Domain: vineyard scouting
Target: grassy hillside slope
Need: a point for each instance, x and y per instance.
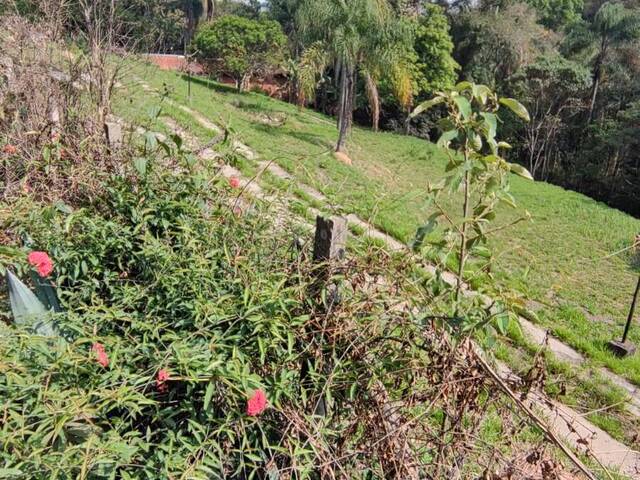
(560, 258)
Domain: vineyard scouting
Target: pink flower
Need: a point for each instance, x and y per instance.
(10, 149)
(42, 263)
(257, 403)
(55, 136)
(161, 379)
(234, 182)
(101, 355)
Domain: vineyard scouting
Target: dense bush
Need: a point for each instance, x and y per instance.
(179, 314)
(240, 47)
(159, 274)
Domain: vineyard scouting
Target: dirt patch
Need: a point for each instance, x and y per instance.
(343, 157)
(276, 119)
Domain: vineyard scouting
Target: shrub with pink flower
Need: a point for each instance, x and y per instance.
(257, 403)
(234, 182)
(42, 263)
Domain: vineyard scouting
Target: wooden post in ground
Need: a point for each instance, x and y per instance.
(328, 249)
(330, 239)
(113, 132)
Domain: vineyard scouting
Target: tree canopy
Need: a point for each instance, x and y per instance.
(240, 47)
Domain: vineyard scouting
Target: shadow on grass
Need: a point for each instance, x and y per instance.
(282, 133)
(210, 84)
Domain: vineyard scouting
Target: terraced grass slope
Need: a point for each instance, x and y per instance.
(561, 259)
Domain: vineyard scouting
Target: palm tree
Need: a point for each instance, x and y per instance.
(613, 26)
(357, 34)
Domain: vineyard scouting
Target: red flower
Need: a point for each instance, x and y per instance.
(42, 262)
(101, 355)
(257, 403)
(234, 182)
(10, 149)
(161, 379)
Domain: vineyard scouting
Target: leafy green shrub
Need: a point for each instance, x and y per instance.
(240, 47)
(177, 312)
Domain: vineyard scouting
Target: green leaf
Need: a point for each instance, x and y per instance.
(520, 170)
(208, 395)
(446, 137)
(426, 106)
(150, 140)
(425, 230)
(445, 124)
(454, 181)
(63, 207)
(177, 139)
(464, 106)
(502, 322)
(27, 309)
(140, 164)
(10, 472)
(492, 159)
(516, 107)
(482, 92)
(476, 141)
(465, 85)
(490, 124)
(154, 112)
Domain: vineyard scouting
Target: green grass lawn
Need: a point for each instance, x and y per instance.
(558, 259)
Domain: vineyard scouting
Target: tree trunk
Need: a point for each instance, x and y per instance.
(345, 109)
(597, 76)
(594, 95)
(374, 101)
(191, 26)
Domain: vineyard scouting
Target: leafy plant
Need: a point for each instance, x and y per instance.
(240, 47)
(27, 309)
(180, 315)
(476, 167)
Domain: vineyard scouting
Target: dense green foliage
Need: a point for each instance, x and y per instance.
(162, 26)
(394, 51)
(177, 309)
(436, 69)
(364, 36)
(476, 166)
(561, 257)
(240, 47)
(557, 13)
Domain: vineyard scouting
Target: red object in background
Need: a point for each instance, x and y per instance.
(101, 355)
(10, 149)
(42, 263)
(176, 63)
(161, 380)
(234, 182)
(257, 403)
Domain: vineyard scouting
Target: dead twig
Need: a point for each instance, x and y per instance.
(540, 423)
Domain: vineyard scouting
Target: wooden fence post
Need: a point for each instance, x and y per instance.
(113, 132)
(330, 239)
(328, 249)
